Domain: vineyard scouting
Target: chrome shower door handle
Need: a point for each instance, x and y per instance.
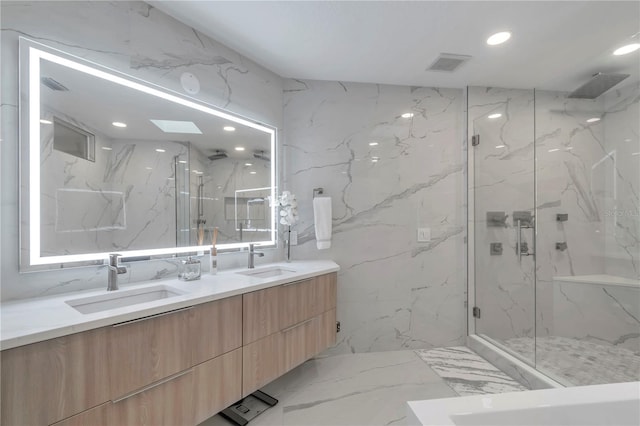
(518, 240)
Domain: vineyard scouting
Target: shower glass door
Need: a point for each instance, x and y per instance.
(503, 179)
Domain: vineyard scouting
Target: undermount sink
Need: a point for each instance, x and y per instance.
(121, 298)
(267, 272)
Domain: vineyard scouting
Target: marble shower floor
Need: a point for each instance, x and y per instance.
(355, 389)
(579, 362)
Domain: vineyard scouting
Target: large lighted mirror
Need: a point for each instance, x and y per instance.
(114, 164)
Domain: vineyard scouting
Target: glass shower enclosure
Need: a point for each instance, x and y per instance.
(554, 226)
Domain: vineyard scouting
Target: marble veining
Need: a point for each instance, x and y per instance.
(467, 373)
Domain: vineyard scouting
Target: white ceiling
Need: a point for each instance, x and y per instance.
(555, 45)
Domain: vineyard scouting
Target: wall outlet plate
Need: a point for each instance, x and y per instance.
(424, 235)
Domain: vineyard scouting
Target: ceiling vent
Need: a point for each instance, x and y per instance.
(448, 62)
(53, 84)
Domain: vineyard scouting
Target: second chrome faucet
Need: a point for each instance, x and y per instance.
(115, 269)
(252, 254)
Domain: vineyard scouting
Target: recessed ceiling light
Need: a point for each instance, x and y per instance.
(496, 115)
(107, 148)
(149, 168)
(160, 150)
(593, 120)
(499, 146)
(43, 121)
(499, 38)
(554, 150)
(248, 164)
(373, 143)
(119, 124)
(239, 148)
(253, 173)
(182, 161)
(229, 128)
(173, 126)
(626, 49)
(407, 115)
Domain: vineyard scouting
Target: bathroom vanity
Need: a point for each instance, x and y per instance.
(175, 360)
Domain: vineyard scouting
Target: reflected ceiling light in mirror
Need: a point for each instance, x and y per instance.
(593, 120)
(248, 164)
(149, 168)
(160, 150)
(554, 149)
(229, 129)
(182, 161)
(635, 153)
(119, 124)
(239, 148)
(625, 50)
(44, 121)
(107, 148)
(407, 115)
(373, 143)
(375, 159)
(500, 146)
(174, 126)
(35, 55)
(498, 38)
(252, 173)
(493, 116)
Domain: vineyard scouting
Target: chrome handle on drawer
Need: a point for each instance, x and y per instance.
(153, 385)
(296, 282)
(297, 325)
(152, 317)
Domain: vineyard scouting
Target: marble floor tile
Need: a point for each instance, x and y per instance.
(467, 372)
(353, 389)
(576, 362)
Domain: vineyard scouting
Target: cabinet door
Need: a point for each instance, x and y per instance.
(217, 384)
(260, 314)
(48, 381)
(147, 350)
(97, 416)
(215, 328)
(262, 361)
(300, 342)
(327, 291)
(168, 402)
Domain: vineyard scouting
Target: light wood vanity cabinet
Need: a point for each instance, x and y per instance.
(306, 326)
(178, 367)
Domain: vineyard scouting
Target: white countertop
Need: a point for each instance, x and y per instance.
(34, 320)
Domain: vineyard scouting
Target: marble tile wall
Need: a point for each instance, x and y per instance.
(622, 215)
(393, 292)
(137, 39)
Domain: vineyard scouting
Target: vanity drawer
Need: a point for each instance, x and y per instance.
(306, 299)
(168, 402)
(215, 328)
(260, 314)
(262, 362)
(147, 350)
(300, 342)
(217, 384)
(49, 381)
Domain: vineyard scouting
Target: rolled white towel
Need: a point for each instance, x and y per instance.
(322, 215)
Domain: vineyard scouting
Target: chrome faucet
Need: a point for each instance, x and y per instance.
(253, 253)
(115, 269)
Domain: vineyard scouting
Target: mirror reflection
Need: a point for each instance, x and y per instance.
(130, 167)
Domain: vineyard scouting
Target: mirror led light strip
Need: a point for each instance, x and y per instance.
(35, 55)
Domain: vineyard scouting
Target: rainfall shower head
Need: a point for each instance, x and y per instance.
(261, 155)
(218, 155)
(598, 84)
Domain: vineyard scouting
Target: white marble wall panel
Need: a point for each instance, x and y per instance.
(604, 314)
(622, 217)
(137, 39)
(393, 291)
